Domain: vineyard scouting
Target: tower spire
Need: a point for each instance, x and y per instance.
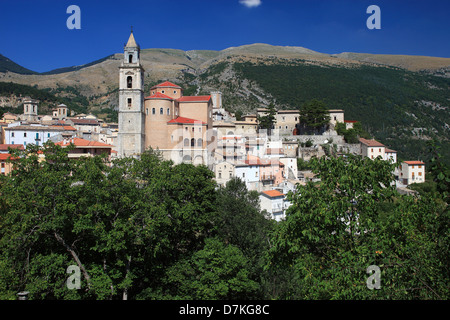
(131, 41)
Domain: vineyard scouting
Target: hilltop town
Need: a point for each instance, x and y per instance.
(198, 130)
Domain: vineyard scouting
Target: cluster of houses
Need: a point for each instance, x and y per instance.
(197, 130)
(89, 135)
(235, 148)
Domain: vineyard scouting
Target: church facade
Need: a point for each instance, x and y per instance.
(180, 127)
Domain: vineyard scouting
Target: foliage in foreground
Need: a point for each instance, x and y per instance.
(148, 229)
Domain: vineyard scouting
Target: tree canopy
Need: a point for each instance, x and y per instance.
(149, 229)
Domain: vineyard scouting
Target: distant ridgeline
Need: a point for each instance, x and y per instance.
(9, 65)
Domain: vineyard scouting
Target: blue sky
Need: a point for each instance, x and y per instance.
(33, 33)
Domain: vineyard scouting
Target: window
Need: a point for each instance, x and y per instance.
(199, 142)
(3, 164)
(162, 91)
(24, 134)
(129, 102)
(130, 58)
(146, 111)
(243, 174)
(168, 111)
(220, 175)
(174, 91)
(192, 142)
(129, 82)
(420, 167)
(379, 150)
(153, 111)
(186, 142)
(420, 174)
(12, 134)
(161, 111)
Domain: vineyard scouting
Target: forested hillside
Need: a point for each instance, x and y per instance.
(402, 109)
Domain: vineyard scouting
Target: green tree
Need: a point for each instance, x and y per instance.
(266, 121)
(314, 116)
(122, 225)
(217, 271)
(353, 219)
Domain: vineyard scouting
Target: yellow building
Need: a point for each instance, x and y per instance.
(178, 126)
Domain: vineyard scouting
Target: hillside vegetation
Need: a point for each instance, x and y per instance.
(401, 108)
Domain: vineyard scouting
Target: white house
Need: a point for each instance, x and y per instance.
(274, 202)
(390, 155)
(372, 148)
(411, 172)
(17, 133)
(249, 173)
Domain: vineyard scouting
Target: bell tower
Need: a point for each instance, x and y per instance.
(131, 136)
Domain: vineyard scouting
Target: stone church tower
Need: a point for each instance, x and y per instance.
(131, 136)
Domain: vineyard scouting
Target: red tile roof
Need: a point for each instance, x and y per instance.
(273, 193)
(350, 121)
(158, 95)
(78, 142)
(4, 147)
(390, 151)
(183, 120)
(194, 99)
(414, 162)
(371, 143)
(4, 156)
(166, 84)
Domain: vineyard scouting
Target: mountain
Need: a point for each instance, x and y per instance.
(7, 65)
(403, 101)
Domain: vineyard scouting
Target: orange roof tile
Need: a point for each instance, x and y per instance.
(183, 120)
(166, 84)
(159, 95)
(414, 162)
(78, 142)
(194, 99)
(4, 147)
(273, 193)
(371, 143)
(5, 156)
